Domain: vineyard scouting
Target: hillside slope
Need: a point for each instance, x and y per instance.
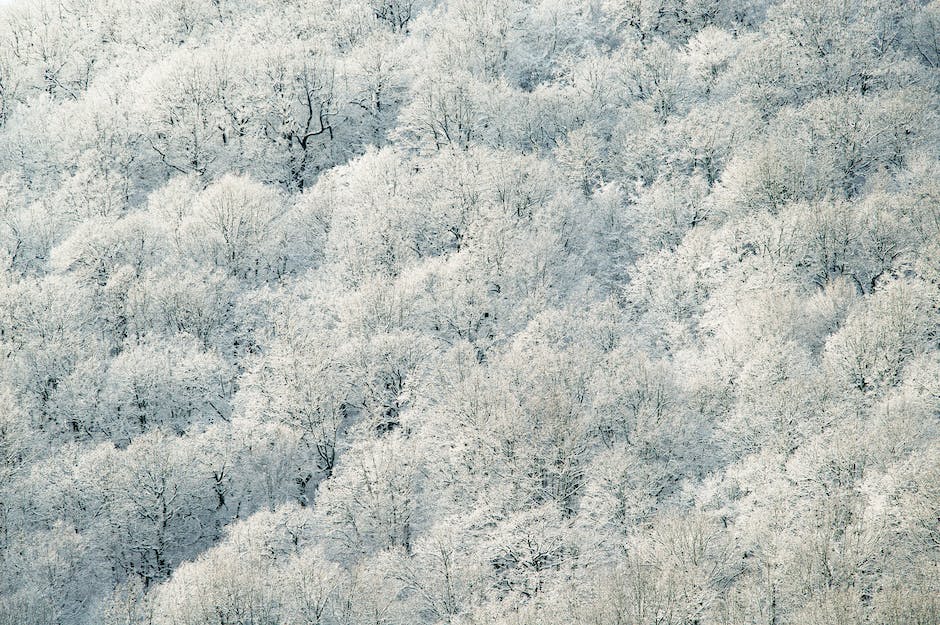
(412, 312)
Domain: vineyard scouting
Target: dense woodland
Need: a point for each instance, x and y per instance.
(505, 312)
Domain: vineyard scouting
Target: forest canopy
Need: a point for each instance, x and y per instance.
(504, 312)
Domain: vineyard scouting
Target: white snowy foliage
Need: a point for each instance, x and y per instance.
(426, 312)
